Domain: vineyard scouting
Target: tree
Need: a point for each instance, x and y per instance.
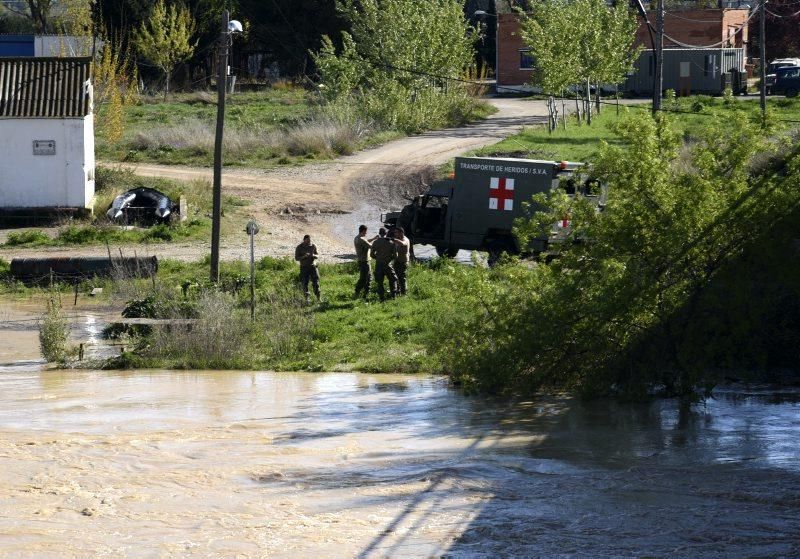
(289, 31)
(579, 42)
(36, 11)
(165, 37)
(403, 59)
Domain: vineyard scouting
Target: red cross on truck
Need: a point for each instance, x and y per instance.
(501, 194)
(476, 207)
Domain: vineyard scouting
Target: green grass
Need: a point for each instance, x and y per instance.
(580, 142)
(348, 334)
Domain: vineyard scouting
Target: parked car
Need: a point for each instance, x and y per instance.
(774, 66)
(787, 81)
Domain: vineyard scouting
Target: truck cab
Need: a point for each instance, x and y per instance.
(476, 208)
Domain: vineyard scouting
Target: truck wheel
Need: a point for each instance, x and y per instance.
(449, 252)
(791, 92)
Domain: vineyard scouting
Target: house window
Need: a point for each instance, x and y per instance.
(526, 60)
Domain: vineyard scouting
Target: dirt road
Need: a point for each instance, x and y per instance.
(320, 199)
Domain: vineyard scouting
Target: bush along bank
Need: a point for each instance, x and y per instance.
(688, 277)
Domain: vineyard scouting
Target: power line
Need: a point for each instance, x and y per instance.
(720, 43)
(773, 14)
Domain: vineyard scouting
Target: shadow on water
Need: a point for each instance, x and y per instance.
(558, 477)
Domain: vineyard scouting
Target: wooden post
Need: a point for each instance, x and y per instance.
(659, 85)
(222, 78)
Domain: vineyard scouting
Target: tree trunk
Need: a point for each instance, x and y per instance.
(588, 102)
(563, 110)
(597, 98)
(577, 107)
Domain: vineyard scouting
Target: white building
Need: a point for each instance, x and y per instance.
(46, 133)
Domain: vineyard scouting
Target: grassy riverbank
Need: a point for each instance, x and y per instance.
(339, 334)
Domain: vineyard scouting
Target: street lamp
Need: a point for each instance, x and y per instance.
(484, 13)
(229, 27)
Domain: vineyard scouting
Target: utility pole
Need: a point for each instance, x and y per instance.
(762, 48)
(659, 56)
(222, 79)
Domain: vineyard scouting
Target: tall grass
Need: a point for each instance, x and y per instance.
(218, 338)
(325, 133)
(54, 332)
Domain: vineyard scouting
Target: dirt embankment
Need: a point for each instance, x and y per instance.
(326, 200)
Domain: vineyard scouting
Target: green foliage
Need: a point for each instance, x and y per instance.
(642, 303)
(397, 60)
(54, 332)
(165, 38)
(576, 41)
(32, 237)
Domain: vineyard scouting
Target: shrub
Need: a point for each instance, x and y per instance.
(54, 332)
(30, 238)
(74, 235)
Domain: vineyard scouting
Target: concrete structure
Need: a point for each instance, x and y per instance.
(46, 133)
(728, 27)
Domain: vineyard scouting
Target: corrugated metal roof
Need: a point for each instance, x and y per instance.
(44, 87)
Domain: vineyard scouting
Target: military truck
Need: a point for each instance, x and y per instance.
(476, 207)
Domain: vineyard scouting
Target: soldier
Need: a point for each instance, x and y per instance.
(306, 254)
(383, 251)
(363, 246)
(403, 247)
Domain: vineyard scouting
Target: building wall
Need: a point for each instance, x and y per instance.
(695, 27)
(509, 43)
(698, 27)
(65, 179)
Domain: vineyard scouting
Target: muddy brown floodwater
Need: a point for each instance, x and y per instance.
(257, 464)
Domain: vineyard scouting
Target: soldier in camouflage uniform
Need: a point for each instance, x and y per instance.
(306, 254)
(384, 251)
(403, 247)
(363, 246)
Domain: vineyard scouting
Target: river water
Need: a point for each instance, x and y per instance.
(260, 464)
